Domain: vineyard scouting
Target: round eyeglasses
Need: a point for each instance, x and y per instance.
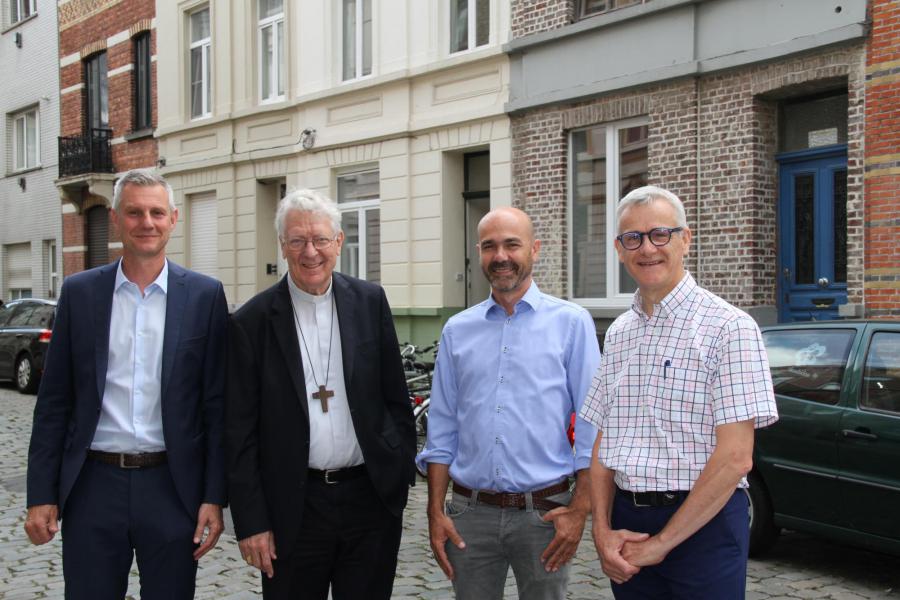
(658, 236)
(319, 243)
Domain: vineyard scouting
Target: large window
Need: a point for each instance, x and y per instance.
(469, 24)
(96, 92)
(358, 200)
(271, 49)
(595, 7)
(143, 101)
(26, 140)
(607, 162)
(200, 64)
(357, 38)
(20, 9)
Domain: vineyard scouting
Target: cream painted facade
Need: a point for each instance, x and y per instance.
(419, 118)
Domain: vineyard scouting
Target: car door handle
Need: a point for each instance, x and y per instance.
(859, 434)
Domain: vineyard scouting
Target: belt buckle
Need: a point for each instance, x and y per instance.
(122, 464)
(636, 503)
(328, 473)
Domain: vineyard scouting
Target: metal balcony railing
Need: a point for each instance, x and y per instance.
(88, 153)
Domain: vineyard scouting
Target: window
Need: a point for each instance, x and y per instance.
(200, 68)
(96, 92)
(143, 101)
(357, 38)
(595, 7)
(20, 10)
(469, 24)
(26, 140)
(607, 162)
(97, 236)
(358, 200)
(809, 364)
(204, 234)
(271, 49)
(18, 271)
(881, 377)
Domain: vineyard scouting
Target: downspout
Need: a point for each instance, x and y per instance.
(697, 238)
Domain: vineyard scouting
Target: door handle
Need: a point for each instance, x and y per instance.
(823, 282)
(859, 434)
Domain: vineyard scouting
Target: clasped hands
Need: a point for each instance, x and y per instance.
(622, 552)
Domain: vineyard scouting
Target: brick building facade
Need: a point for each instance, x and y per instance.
(734, 125)
(107, 72)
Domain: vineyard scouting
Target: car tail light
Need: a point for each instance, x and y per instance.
(44, 336)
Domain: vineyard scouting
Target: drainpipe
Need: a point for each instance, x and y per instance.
(697, 237)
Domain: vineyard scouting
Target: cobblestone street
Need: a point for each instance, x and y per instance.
(799, 567)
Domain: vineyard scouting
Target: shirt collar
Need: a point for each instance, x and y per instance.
(532, 299)
(161, 281)
(298, 295)
(671, 302)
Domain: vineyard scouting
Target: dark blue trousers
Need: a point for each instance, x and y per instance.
(709, 565)
(114, 514)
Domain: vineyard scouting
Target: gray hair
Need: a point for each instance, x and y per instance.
(141, 178)
(646, 195)
(307, 200)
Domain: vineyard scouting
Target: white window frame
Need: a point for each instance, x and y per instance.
(277, 68)
(20, 8)
(360, 41)
(52, 269)
(613, 299)
(205, 44)
(16, 142)
(359, 207)
(472, 35)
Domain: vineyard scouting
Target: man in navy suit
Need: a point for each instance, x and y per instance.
(126, 446)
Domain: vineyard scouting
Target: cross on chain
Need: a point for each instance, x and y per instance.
(322, 396)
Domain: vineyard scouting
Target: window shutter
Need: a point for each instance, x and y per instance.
(204, 234)
(18, 266)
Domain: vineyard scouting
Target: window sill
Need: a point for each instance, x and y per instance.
(18, 23)
(138, 135)
(26, 170)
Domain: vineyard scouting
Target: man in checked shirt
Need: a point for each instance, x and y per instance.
(682, 384)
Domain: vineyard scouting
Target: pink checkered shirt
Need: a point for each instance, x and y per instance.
(665, 382)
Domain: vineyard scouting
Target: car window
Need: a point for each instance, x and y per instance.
(881, 376)
(5, 313)
(22, 316)
(809, 364)
(42, 317)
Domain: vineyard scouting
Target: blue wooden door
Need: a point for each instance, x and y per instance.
(812, 225)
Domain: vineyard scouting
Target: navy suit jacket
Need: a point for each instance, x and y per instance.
(68, 403)
(267, 419)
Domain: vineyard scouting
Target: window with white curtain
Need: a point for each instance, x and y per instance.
(200, 70)
(357, 38)
(271, 49)
(470, 22)
(358, 197)
(606, 162)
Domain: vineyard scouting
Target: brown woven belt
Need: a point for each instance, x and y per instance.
(143, 460)
(517, 500)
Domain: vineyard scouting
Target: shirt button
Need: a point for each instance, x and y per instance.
(496, 440)
(501, 379)
(505, 348)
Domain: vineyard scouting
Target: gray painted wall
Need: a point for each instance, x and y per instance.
(665, 39)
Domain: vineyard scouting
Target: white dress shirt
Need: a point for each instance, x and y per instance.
(332, 441)
(131, 412)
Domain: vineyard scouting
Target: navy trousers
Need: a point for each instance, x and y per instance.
(709, 565)
(114, 514)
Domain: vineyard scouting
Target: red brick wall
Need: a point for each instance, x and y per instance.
(734, 252)
(882, 167)
(534, 16)
(83, 23)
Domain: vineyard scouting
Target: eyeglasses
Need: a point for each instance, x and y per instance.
(319, 243)
(658, 236)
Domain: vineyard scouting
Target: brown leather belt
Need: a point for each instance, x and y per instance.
(332, 476)
(517, 500)
(143, 460)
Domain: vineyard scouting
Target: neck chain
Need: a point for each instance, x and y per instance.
(324, 393)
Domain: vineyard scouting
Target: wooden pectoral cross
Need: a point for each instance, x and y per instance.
(322, 396)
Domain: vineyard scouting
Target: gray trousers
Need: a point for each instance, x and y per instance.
(499, 538)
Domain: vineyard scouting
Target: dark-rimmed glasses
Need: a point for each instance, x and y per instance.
(319, 243)
(658, 236)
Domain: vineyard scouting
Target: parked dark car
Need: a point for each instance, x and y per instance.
(25, 329)
(831, 464)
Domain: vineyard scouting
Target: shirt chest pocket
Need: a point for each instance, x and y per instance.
(679, 387)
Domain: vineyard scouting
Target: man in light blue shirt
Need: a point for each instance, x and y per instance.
(510, 373)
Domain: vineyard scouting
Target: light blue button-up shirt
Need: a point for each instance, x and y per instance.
(131, 413)
(504, 389)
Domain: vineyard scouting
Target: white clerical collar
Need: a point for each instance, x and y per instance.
(299, 295)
